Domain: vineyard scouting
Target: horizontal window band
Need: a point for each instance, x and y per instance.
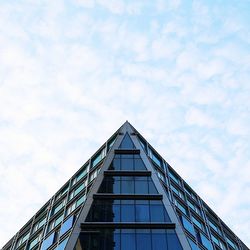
(127, 196)
(94, 225)
(127, 173)
(127, 151)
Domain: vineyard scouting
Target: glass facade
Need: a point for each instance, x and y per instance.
(128, 185)
(132, 239)
(127, 212)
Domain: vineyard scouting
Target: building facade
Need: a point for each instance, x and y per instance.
(125, 197)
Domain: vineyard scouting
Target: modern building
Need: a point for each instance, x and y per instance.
(125, 197)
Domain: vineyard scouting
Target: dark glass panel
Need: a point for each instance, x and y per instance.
(142, 213)
(139, 165)
(157, 213)
(127, 213)
(127, 143)
(116, 213)
(127, 185)
(110, 185)
(159, 240)
(141, 187)
(152, 188)
(127, 164)
(127, 156)
(116, 164)
(143, 239)
(117, 240)
(173, 241)
(128, 239)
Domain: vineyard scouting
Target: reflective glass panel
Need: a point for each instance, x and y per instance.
(143, 239)
(48, 242)
(127, 143)
(173, 241)
(62, 245)
(66, 225)
(187, 225)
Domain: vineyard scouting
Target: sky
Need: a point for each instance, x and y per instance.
(73, 71)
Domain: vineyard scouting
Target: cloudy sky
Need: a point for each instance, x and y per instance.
(72, 71)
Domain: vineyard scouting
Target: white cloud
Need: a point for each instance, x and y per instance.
(197, 117)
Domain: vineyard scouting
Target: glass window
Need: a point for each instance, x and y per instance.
(141, 187)
(198, 223)
(194, 207)
(39, 224)
(174, 177)
(159, 239)
(58, 207)
(22, 239)
(34, 241)
(82, 174)
(205, 242)
(128, 239)
(77, 190)
(80, 201)
(142, 212)
(111, 143)
(48, 241)
(62, 245)
(231, 243)
(25, 237)
(187, 225)
(75, 204)
(177, 191)
(158, 212)
(93, 175)
(143, 239)
(127, 185)
(218, 242)
(155, 158)
(58, 220)
(98, 158)
(161, 176)
(71, 208)
(55, 222)
(193, 245)
(127, 162)
(173, 241)
(189, 192)
(127, 213)
(67, 225)
(214, 226)
(181, 207)
(127, 143)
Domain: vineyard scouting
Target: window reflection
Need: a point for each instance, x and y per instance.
(128, 239)
(128, 185)
(127, 211)
(127, 162)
